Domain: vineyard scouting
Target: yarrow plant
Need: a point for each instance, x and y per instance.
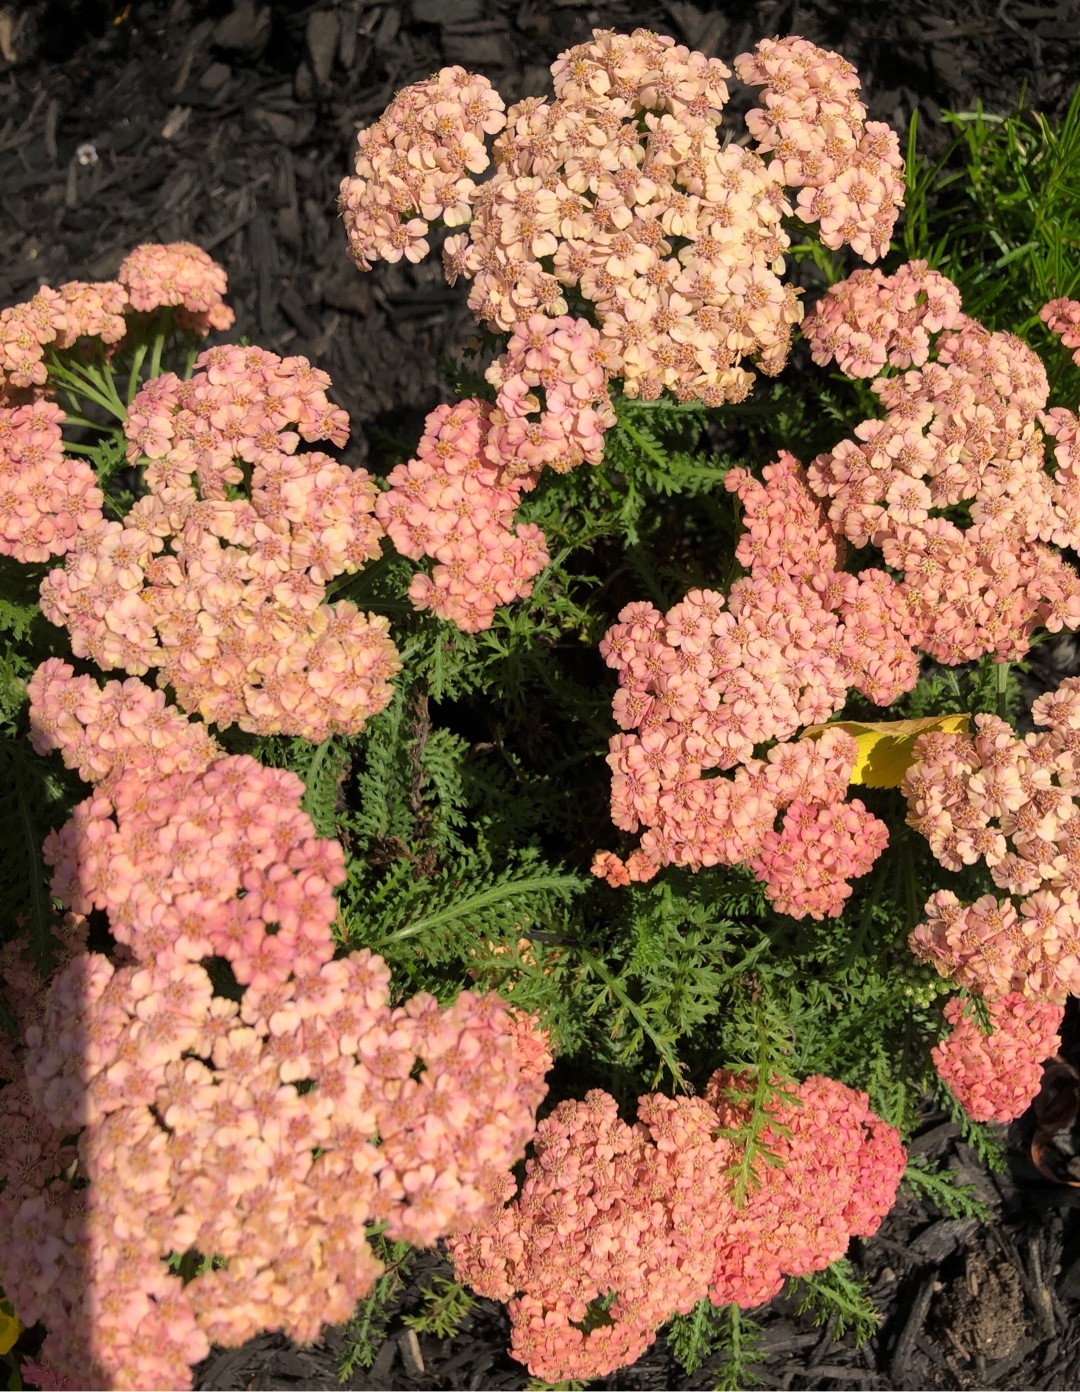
(305, 762)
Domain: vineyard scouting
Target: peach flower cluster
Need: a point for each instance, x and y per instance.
(195, 1134)
(619, 192)
(995, 1076)
(153, 276)
(962, 429)
(1062, 317)
(849, 171)
(454, 505)
(106, 733)
(220, 862)
(47, 498)
(1010, 803)
(871, 320)
(217, 577)
(648, 1214)
(706, 683)
(413, 165)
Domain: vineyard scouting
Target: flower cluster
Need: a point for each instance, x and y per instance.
(870, 319)
(619, 192)
(1010, 803)
(1062, 316)
(704, 684)
(648, 1214)
(47, 498)
(416, 160)
(963, 428)
(994, 1076)
(452, 504)
(194, 1134)
(217, 577)
(848, 170)
(153, 276)
(106, 733)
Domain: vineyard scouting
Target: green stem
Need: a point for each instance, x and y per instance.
(1001, 688)
(155, 355)
(133, 377)
(79, 385)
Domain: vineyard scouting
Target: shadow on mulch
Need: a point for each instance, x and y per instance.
(231, 125)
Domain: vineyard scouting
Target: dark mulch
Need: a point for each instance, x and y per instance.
(232, 127)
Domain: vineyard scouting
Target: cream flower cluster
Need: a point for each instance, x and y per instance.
(962, 429)
(177, 275)
(47, 498)
(848, 170)
(217, 577)
(648, 1214)
(995, 1076)
(453, 504)
(618, 192)
(194, 1135)
(1062, 317)
(416, 159)
(1010, 803)
(106, 733)
(704, 684)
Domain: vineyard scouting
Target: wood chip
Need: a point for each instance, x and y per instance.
(411, 1356)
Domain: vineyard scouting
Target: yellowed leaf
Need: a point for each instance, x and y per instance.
(10, 1328)
(886, 747)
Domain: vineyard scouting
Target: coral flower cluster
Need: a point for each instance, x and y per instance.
(994, 1076)
(195, 1134)
(962, 428)
(453, 505)
(848, 170)
(176, 275)
(618, 192)
(47, 498)
(704, 684)
(217, 577)
(650, 1215)
(1062, 317)
(1010, 803)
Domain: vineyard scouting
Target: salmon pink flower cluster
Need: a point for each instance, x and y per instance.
(649, 1214)
(105, 733)
(871, 320)
(962, 429)
(995, 1076)
(704, 684)
(848, 170)
(194, 1134)
(1062, 317)
(453, 504)
(47, 498)
(217, 577)
(1010, 803)
(175, 275)
(619, 192)
(414, 163)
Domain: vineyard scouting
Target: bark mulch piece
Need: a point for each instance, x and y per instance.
(231, 124)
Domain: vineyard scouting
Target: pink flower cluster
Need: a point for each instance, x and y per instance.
(870, 319)
(1010, 803)
(648, 1214)
(848, 170)
(194, 1136)
(454, 504)
(1062, 316)
(995, 1076)
(704, 684)
(416, 160)
(46, 497)
(177, 275)
(106, 733)
(962, 429)
(218, 576)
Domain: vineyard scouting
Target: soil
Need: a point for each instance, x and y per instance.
(231, 125)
